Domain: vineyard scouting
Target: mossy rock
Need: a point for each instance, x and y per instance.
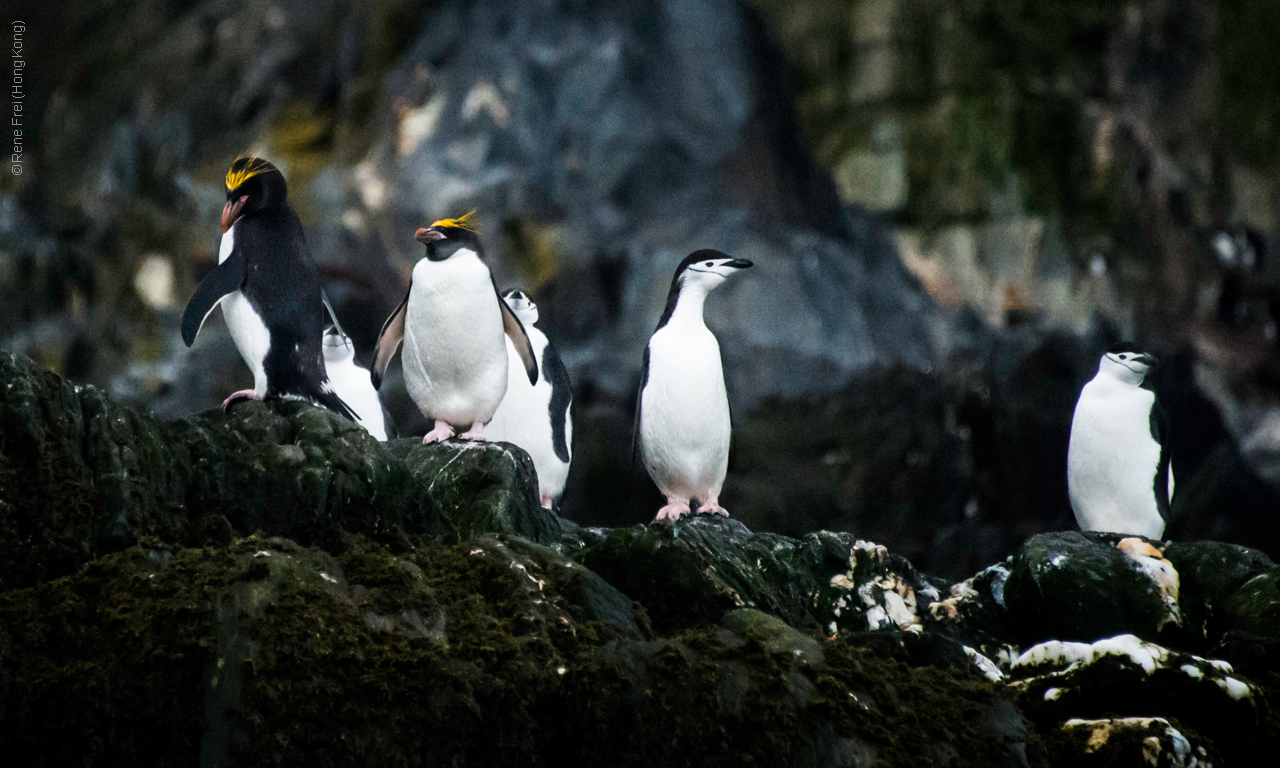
(1209, 572)
(263, 652)
(81, 477)
(1255, 607)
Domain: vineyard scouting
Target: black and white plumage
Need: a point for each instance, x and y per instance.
(1118, 470)
(354, 384)
(269, 291)
(452, 323)
(536, 416)
(683, 425)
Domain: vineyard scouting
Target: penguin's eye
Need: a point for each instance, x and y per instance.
(710, 263)
(1124, 357)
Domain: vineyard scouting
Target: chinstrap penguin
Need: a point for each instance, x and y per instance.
(536, 416)
(683, 425)
(354, 384)
(269, 291)
(452, 322)
(1118, 471)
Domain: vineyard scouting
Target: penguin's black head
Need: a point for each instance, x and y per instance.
(709, 262)
(1127, 361)
(253, 185)
(447, 236)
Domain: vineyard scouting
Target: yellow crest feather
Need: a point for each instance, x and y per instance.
(253, 167)
(465, 221)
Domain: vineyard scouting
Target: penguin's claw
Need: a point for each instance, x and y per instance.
(476, 433)
(441, 433)
(673, 511)
(244, 394)
(712, 508)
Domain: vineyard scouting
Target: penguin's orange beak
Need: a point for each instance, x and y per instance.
(231, 212)
(425, 235)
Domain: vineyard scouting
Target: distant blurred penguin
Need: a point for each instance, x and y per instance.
(354, 384)
(683, 426)
(1118, 472)
(536, 416)
(452, 323)
(269, 291)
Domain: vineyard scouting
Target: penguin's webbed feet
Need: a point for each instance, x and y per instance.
(442, 432)
(476, 433)
(674, 509)
(244, 394)
(712, 507)
(546, 500)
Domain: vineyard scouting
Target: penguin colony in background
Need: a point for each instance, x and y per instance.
(474, 360)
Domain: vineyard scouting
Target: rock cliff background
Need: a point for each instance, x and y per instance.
(953, 206)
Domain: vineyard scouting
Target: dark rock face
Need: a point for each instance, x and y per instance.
(271, 585)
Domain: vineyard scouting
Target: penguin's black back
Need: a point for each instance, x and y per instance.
(283, 286)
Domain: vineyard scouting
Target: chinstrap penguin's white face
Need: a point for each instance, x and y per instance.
(709, 273)
(337, 347)
(1127, 366)
(521, 305)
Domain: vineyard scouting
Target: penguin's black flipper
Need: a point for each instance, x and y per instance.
(389, 339)
(635, 427)
(733, 439)
(519, 339)
(1161, 432)
(561, 398)
(225, 278)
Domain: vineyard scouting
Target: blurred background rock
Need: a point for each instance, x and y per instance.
(953, 206)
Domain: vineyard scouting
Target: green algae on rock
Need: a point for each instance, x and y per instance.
(81, 476)
(262, 651)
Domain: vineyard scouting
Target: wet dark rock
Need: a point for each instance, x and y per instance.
(1076, 586)
(81, 476)
(480, 487)
(705, 565)
(1126, 677)
(1124, 741)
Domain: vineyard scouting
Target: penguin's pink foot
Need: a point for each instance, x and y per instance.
(476, 433)
(244, 394)
(712, 507)
(674, 509)
(442, 432)
(546, 501)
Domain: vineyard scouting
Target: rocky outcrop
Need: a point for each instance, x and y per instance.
(270, 585)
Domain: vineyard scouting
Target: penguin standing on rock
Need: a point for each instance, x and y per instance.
(1118, 471)
(452, 323)
(536, 416)
(269, 291)
(354, 384)
(683, 425)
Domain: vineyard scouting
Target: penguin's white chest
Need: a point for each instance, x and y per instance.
(684, 412)
(524, 418)
(1112, 460)
(354, 385)
(455, 358)
(247, 330)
